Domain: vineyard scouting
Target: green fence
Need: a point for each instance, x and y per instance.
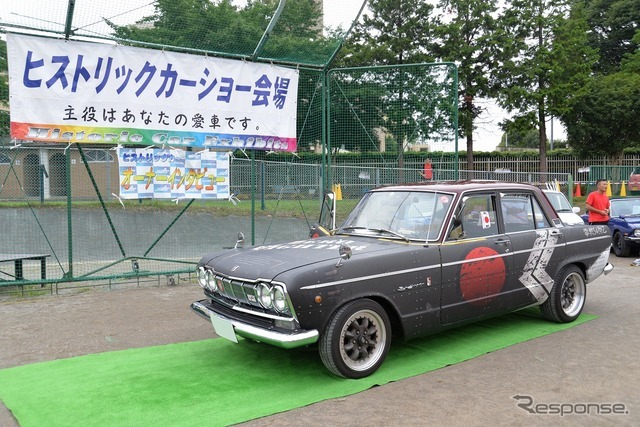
(61, 218)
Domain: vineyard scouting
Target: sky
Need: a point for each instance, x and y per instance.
(336, 12)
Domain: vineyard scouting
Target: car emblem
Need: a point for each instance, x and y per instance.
(235, 267)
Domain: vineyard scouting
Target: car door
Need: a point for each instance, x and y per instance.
(535, 245)
(476, 260)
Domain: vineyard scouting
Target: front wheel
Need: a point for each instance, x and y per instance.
(567, 297)
(357, 339)
(620, 247)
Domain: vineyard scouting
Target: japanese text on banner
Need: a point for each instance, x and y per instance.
(173, 174)
(68, 91)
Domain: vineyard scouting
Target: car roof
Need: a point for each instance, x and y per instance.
(457, 186)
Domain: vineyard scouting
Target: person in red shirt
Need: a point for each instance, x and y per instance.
(427, 171)
(597, 204)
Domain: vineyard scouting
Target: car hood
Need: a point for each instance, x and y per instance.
(570, 218)
(633, 221)
(267, 261)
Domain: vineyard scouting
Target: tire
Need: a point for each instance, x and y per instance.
(356, 340)
(567, 297)
(620, 247)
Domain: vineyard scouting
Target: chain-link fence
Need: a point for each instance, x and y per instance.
(61, 217)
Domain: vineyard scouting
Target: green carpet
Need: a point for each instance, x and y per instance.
(217, 382)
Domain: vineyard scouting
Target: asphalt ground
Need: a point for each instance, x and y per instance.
(587, 375)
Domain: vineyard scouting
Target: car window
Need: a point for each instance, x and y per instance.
(475, 217)
(412, 214)
(625, 207)
(559, 202)
(521, 212)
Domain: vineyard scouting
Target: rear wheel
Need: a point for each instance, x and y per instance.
(567, 297)
(620, 247)
(357, 339)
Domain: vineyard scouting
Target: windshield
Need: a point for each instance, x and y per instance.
(626, 207)
(403, 214)
(559, 202)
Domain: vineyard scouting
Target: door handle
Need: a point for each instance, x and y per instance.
(506, 242)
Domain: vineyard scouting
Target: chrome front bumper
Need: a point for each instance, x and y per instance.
(608, 268)
(275, 338)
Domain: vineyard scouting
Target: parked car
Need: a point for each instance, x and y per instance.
(567, 213)
(410, 260)
(624, 224)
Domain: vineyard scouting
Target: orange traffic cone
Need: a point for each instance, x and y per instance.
(578, 192)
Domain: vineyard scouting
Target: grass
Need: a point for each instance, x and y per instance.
(287, 208)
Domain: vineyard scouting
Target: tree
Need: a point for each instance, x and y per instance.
(468, 35)
(550, 62)
(613, 24)
(604, 117)
(520, 139)
(393, 32)
(631, 61)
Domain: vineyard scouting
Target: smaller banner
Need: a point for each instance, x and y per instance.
(147, 173)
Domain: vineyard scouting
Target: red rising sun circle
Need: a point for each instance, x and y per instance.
(481, 280)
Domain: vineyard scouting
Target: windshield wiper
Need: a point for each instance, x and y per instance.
(394, 233)
(377, 230)
(354, 227)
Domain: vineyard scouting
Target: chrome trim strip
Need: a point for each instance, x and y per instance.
(429, 267)
(277, 339)
(373, 276)
(590, 239)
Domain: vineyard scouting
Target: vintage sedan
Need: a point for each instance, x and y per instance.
(409, 261)
(624, 224)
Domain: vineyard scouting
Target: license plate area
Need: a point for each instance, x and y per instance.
(224, 328)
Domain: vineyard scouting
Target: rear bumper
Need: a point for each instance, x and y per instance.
(291, 339)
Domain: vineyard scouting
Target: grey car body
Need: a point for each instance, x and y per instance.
(409, 261)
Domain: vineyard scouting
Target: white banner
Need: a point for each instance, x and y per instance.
(68, 91)
(173, 174)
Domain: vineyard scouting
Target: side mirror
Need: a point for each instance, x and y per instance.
(240, 241)
(575, 209)
(345, 253)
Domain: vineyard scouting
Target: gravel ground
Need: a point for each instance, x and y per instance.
(593, 363)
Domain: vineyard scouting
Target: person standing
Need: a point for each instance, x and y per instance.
(598, 204)
(427, 170)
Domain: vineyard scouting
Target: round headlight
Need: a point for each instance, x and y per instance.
(264, 295)
(202, 280)
(279, 299)
(636, 232)
(211, 281)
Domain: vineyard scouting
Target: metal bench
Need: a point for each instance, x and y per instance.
(19, 258)
(286, 189)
